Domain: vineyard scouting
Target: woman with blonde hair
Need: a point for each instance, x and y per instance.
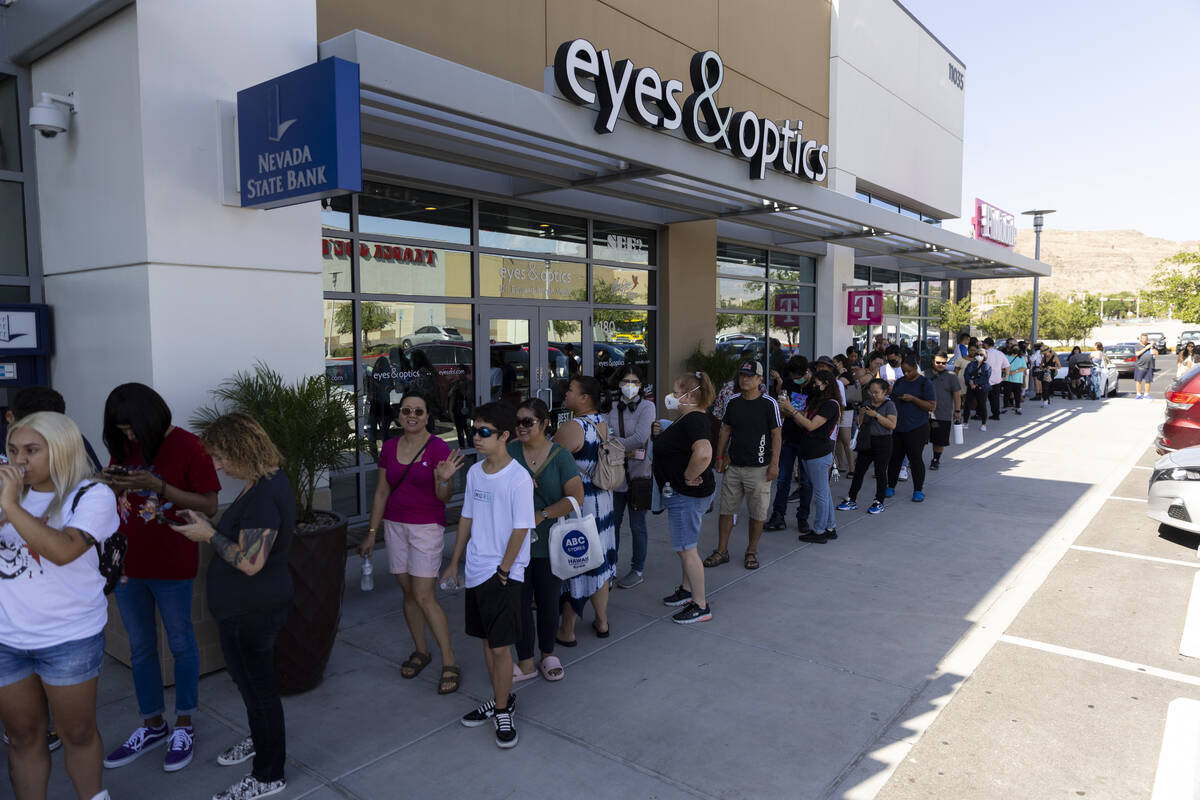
(250, 590)
(52, 605)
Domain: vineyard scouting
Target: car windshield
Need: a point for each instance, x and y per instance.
(1120, 349)
(452, 331)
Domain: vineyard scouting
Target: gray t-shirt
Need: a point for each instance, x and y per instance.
(872, 427)
(945, 384)
(1146, 359)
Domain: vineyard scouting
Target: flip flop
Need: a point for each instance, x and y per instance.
(548, 665)
(519, 676)
(599, 633)
(565, 643)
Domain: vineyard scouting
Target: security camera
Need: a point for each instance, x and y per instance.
(52, 115)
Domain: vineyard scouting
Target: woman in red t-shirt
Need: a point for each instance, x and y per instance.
(156, 471)
(416, 471)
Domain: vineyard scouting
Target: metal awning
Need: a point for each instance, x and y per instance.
(438, 123)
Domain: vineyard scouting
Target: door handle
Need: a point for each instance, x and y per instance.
(550, 392)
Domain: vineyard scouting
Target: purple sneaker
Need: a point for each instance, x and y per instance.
(141, 740)
(179, 749)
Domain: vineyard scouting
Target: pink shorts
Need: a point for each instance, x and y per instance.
(414, 549)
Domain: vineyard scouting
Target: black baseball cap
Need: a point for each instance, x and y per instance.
(750, 368)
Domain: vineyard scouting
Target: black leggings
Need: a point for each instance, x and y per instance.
(1048, 384)
(876, 453)
(977, 400)
(1014, 392)
(544, 586)
(911, 444)
(248, 644)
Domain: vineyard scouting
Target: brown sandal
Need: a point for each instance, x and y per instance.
(415, 663)
(750, 561)
(448, 684)
(717, 559)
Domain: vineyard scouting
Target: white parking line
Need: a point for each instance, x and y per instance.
(1128, 499)
(1177, 775)
(1096, 658)
(1087, 549)
(1148, 469)
(1189, 645)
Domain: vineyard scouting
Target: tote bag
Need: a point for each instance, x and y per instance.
(575, 545)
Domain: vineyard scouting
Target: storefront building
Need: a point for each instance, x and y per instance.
(547, 188)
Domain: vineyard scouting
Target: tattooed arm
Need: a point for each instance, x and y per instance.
(249, 553)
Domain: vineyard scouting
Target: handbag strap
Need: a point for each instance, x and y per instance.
(621, 418)
(546, 463)
(396, 485)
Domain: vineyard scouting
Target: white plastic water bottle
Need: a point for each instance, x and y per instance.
(450, 584)
(835, 476)
(368, 575)
(667, 491)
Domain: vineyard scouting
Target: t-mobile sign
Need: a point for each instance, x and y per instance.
(864, 307)
(994, 225)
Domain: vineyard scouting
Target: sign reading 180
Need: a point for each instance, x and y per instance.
(585, 76)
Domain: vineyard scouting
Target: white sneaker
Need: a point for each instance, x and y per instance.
(983, 428)
(904, 473)
(1137, 397)
(249, 788)
(1045, 404)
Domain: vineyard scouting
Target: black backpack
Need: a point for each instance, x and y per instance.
(111, 552)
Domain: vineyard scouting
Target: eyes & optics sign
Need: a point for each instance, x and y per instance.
(587, 76)
(299, 136)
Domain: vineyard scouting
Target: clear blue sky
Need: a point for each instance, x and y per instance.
(1091, 108)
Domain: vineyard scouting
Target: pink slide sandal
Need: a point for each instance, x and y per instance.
(552, 668)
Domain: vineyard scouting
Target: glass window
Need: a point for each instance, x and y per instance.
(335, 212)
(862, 275)
(613, 242)
(413, 213)
(910, 291)
(14, 294)
(629, 287)
(10, 125)
(736, 331)
(795, 339)
(735, 293)
(906, 212)
(501, 276)
(622, 337)
(336, 261)
(402, 269)
(343, 490)
(886, 278)
(879, 201)
(734, 259)
(866, 198)
(793, 267)
(909, 334)
(12, 229)
(792, 299)
(514, 228)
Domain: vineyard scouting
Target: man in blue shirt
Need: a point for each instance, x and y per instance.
(978, 378)
(914, 397)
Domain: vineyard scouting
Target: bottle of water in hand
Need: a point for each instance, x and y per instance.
(448, 584)
(368, 575)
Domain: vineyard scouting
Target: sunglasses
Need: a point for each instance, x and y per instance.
(526, 422)
(406, 411)
(483, 432)
(939, 363)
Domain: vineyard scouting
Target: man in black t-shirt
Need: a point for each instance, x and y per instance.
(750, 431)
(794, 387)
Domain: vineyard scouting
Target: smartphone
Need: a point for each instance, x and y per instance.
(117, 469)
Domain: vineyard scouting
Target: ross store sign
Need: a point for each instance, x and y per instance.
(586, 76)
(340, 248)
(299, 136)
(994, 225)
(864, 307)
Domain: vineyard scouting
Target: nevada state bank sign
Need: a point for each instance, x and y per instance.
(587, 76)
(299, 136)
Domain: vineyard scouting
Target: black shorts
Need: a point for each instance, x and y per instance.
(493, 611)
(939, 432)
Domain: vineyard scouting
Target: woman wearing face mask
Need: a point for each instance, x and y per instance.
(977, 376)
(821, 414)
(683, 470)
(877, 419)
(555, 477)
(629, 422)
(1050, 367)
(416, 478)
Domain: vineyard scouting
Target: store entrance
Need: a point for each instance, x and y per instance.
(530, 352)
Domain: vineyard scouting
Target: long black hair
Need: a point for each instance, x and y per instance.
(613, 396)
(146, 414)
(541, 412)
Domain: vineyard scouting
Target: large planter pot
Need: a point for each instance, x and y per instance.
(318, 566)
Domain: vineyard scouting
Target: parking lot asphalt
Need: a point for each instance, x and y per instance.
(858, 668)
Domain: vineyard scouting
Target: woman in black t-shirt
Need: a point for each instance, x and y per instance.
(250, 588)
(683, 470)
(820, 418)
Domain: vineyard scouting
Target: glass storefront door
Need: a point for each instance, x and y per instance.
(530, 352)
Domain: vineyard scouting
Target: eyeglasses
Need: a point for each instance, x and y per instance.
(483, 432)
(406, 411)
(526, 422)
(939, 363)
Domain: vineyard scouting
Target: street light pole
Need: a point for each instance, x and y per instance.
(1038, 218)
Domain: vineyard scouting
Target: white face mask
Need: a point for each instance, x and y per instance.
(671, 401)
(630, 391)
(979, 357)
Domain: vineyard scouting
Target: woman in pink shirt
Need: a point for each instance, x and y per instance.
(416, 471)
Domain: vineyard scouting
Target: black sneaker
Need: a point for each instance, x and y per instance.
(935, 464)
(775, 523)
(680, 597)
(506, 729)
(692, 613)
(479, 716)
(812, 536)
(803, 526)
(829, 533)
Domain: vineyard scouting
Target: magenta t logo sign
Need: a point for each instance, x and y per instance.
(864, 307)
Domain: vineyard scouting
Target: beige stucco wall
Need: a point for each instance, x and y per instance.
(687, 292)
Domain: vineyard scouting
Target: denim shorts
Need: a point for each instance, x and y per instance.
(684, 515)
(65, 664)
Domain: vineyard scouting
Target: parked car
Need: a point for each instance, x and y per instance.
(1110, 378)
(1122, 357)
(1159, 340)
(1181, 428)
(1185, 337)
(745, 338)
(1174, 495)
(432, 333)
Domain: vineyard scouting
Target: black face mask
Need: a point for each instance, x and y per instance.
(894, 362)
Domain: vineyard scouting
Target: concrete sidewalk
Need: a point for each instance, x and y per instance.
(817, 674)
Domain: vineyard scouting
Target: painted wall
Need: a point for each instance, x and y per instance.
(896, 118)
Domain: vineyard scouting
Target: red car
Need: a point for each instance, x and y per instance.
(1182, 426)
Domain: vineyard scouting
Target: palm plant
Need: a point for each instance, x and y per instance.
(310, 421)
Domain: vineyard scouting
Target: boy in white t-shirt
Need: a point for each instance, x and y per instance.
(497, 515)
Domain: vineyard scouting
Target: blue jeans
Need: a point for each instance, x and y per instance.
(817, 470)
(637, 525)
(788, 453)
(136, 599)
(684, 515)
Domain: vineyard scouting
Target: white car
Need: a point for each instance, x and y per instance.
(1109, 377)
(432, 333)
(1174, 496)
